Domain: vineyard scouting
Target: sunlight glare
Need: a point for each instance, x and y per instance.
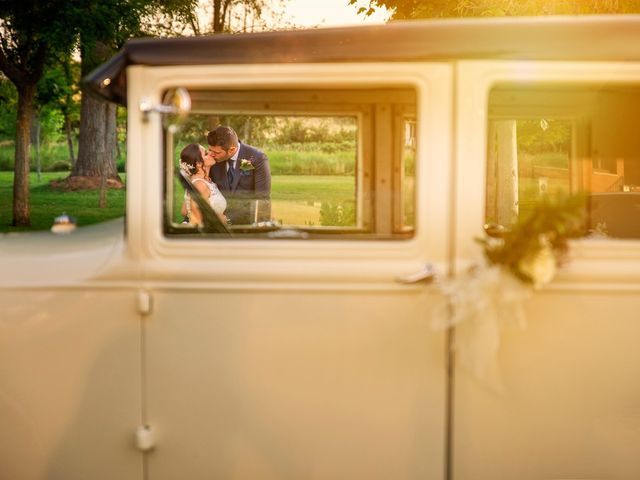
(329, 13)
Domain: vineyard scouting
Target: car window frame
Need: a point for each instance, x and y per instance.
(597, 264)
(432, 82)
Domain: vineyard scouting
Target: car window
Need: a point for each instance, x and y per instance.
(339, 162)
(549, 141)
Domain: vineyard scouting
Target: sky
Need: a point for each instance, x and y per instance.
(328, 13)
(304, 14)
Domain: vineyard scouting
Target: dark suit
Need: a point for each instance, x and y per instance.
(247, 187)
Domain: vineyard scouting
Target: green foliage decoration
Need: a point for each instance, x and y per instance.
(537, 243)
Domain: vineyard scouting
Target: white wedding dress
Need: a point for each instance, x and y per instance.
(216, 199)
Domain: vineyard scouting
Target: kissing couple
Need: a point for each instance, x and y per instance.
(233, 177)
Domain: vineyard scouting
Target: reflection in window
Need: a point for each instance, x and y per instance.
(313, 163)
(408, 173)
(554, 141)
(528, 159)
(342, 162)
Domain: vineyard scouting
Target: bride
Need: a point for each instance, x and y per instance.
(195, 162)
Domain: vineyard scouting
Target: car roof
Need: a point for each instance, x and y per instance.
(580, 38)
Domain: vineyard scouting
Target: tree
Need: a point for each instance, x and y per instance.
(243, 15)
(407, 9)
(52, 108)
(31, 32)
(104, 26)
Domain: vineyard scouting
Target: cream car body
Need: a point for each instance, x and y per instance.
(130, 353)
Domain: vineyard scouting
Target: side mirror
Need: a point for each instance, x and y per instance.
(176, 102)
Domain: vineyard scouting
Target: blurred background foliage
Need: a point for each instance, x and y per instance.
(77, 35)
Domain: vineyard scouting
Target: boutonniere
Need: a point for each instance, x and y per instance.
(246, 165)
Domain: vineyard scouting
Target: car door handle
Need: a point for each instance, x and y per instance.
(426, 274)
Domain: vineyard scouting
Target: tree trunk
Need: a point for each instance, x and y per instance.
(97, 143)
(104, 164)
(218, 18)
(246, 131)
(37, 129)
(69, 132)
(97, 140)
(21, 204)
(220, 10)
(214, 121)
(67, 106)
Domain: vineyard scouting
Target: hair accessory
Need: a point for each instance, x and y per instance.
(186, 168)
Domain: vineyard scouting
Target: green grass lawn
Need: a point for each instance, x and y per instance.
(289, 162)
(296, 200)
(312, 188)
(47, 203)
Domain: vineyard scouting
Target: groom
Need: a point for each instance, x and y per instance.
(242, 174)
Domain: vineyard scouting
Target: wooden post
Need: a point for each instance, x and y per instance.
(502, 172)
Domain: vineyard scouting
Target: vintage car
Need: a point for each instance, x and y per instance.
(146, 348)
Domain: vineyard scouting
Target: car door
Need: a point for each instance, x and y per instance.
(70, 356)
(567, 406)
(299, 350)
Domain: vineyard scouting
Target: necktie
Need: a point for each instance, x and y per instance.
(230, 172)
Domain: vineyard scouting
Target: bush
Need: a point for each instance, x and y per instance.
(58, 166)
(291, 162)
(6, 165)
(338, 215)
(7, 154)
(311, 130)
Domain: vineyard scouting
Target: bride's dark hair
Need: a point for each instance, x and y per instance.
(190, 156)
